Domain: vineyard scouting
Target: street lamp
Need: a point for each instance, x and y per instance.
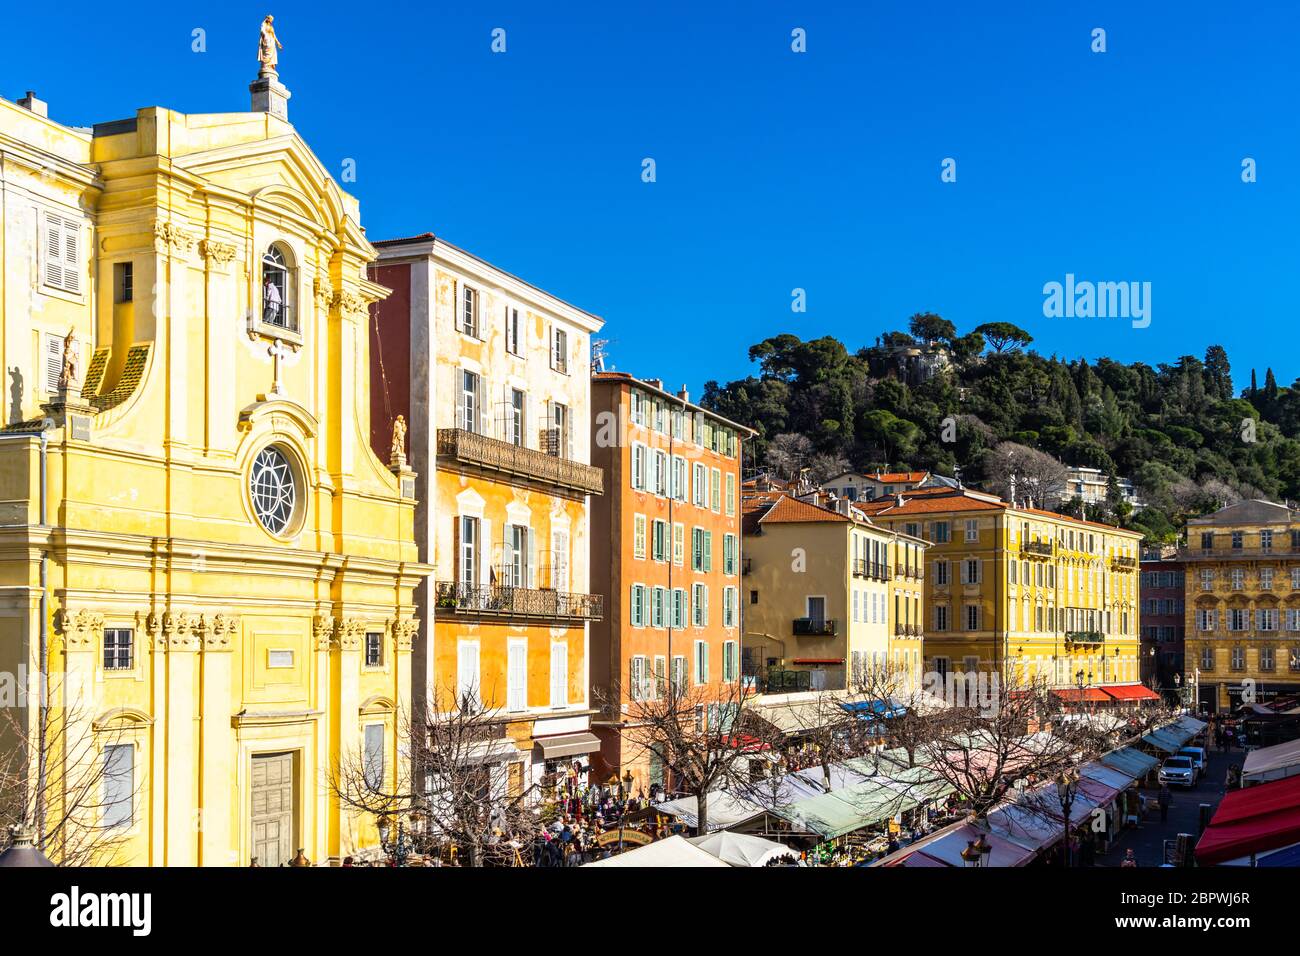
(396, 845)
(1066, 783)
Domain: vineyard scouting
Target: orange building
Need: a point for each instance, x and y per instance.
(493, 377)
(665, 550)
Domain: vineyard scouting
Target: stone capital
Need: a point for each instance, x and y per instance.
(171, 239)
(347, 634)
(219, 632)
(404, 632)
(323, 631)
(81, 629)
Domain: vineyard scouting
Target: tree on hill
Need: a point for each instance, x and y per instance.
(1004, 337)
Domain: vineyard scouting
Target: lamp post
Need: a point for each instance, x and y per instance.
(1066, 788)
(626, 786)
(396, 845)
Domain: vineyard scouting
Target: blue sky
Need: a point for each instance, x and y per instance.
(778, 170)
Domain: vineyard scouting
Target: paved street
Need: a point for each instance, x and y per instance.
(1148, 839)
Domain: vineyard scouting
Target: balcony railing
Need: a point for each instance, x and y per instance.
(1085, 637)
(495, 600)
(907, 630)
(1229, 554)
(811, 627)
(515, 461)
(1124, 561)
(1041, 548)
(785, 682)
(912, 573)
(860, 567)
(879, 571)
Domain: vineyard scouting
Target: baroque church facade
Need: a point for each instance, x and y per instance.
(198, 547)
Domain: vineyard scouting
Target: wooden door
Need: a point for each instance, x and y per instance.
(272, 821)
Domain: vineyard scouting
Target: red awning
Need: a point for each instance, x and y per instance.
(1255, 820)
(1130, 692)
(1089, 695)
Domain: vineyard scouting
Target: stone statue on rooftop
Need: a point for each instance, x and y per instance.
(268, 46)
(398, 451)
(70, 375)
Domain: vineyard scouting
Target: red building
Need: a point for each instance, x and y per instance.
(1161, 616)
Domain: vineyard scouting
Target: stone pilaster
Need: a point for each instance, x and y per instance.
(217, 765)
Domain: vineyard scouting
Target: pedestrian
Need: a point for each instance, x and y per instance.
(1164, 799)
(1130, 861)
(1221, 739)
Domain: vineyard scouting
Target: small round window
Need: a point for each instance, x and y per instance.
(273, 489)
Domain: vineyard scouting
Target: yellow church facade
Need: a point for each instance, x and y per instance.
(197, 543)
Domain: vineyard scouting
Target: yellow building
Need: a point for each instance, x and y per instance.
(494, 376)
(829, 597)
(1022, 591)
(1243, 604)
(196, 533)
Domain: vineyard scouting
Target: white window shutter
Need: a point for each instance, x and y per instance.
(484, 412)
(71, 257)
(485, 553)
(550, 344)
(559, 675)
(53, 361)
(456, 305)
(460, 398)
(518, 675)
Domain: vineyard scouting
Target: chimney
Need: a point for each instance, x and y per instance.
(898, 500)
(655, 383)
(30, 102)
(684, 395)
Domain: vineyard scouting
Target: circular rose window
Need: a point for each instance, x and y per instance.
(273, 490)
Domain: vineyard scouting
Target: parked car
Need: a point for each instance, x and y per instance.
(1198, 758)
(1178, 770)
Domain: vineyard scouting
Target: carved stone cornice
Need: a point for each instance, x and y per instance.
(216, 252)
(404, 632)
(350, 304)
(323, 293)
(171, 238)
(80, 629)
(219, 632)
(347, 634)
(323, 631)
(175, 631)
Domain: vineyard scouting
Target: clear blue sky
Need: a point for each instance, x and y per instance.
(778, 170)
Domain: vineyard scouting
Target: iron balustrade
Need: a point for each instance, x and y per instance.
(1085, 637)
(470, 448)
(811, 627)
(497, 600)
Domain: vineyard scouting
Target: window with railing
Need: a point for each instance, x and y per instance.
(277, 289)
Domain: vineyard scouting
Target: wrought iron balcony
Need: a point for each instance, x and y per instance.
(914, 573)
(498, 601)
(859, 567)
(516, 463)
(879, 571)
(907, 630)
(1042, 548)
(1085, 637)
(1124, 561)
(811, 627)
(1234, 554)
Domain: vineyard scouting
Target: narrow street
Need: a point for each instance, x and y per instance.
(1147, 840)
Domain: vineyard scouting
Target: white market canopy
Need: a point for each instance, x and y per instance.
(1271, 763)
(740, 849)
(673, 851)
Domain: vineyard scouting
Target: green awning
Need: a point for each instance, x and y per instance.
(833, 815)
(1131, 761)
